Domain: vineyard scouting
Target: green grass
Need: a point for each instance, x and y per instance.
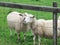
(5, 38)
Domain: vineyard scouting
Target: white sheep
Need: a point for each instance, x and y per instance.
(45, 28)
(15, 21)
(37, 28)
(42, 27)
(34, 24)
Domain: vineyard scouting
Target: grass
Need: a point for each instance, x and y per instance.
(5, 38)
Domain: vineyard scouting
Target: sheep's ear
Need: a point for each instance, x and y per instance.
(33, 16)
(20, 14)
(23, 14)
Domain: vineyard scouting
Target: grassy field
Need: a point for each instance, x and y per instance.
(5, 38)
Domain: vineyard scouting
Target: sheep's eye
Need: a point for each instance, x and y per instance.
(31, 17)
(24, 19)
(24, 15)
(20, 14)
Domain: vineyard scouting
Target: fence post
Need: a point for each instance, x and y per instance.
(54, 25)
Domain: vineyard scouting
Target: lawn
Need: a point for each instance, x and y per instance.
(5, 38)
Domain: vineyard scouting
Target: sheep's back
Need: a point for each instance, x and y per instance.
(14, 20)
(39, 27)
(48, 31)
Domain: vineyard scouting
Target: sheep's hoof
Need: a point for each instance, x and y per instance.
(32, 36)
(18, 40)
(15, 34)
(36, 44)
(11, 36)
(23, 40)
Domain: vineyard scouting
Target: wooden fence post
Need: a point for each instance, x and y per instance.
(55, 24)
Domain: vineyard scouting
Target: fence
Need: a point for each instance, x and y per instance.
(53, 9)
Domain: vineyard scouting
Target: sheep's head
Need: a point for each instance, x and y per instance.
(23, 14)
(28, 19)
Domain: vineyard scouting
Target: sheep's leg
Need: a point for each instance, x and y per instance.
(24, 36)
(18, 37)
(34, 39)
(15, 33)
(39, 40)
(10, 32)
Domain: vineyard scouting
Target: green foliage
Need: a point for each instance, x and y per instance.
(5, 38)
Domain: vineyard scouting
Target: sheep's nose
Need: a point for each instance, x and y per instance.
(24, 19)
(24, 22)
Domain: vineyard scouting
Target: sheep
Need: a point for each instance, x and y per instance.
(45, 28)
(15, 21)
(42, 27)
(37, 28)
(31, 19)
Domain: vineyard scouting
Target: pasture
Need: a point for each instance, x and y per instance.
(5, 38)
